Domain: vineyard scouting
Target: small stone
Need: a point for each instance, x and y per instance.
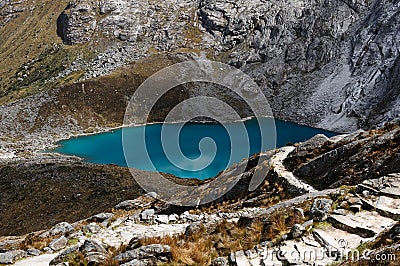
(220, 262)
(192, 229)
(33, 251)
(134, 262)
(340, 212)
(162, 219)
(173, 217)
(58, 243)
(297, 230)
(47, 250)
(134, 243)
(365, 193)
(308, 223)
(144, 252)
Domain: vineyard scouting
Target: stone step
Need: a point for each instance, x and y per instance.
(337, 241)
(385, 206)
(299, 253)
(388, 186)
(365, 224)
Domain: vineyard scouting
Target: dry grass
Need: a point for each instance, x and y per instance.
(34, 241)
(204, 245)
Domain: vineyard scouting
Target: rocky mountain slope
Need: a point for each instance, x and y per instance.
(330, 64)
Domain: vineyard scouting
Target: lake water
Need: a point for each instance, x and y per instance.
(210, 156)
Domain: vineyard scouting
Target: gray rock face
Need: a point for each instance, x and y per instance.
(322, 63)
(321, 209)
(10, 256)
(77, 23)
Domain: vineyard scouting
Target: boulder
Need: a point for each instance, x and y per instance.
(93, 245)
(77, 23)
(162, 219)
(147, 214)
(144, 252)
(60, 228)
(297, 230)
(320, 209)
(58, 243)
(10, 257)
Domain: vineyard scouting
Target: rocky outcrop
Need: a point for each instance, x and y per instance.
(10, 9)
(347, 160)
(77, 22)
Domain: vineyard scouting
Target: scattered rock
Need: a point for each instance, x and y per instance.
(173, 217)
(192, 229)
(239, 258)
(354, 201)
(220, 262)
(91, 228)
(140, 202)
(134, 262)
(61, 257)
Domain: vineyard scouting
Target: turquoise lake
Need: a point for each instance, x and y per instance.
(107, 148)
